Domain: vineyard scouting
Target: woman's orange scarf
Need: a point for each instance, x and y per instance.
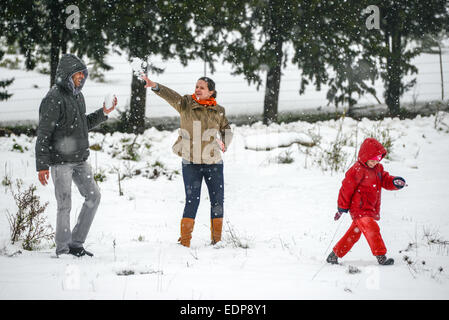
(208, 102)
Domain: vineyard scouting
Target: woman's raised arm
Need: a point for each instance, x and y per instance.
(169, 95)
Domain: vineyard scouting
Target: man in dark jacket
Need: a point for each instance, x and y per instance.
(62, 144)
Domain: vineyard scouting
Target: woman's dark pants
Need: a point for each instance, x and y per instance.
(193, 175)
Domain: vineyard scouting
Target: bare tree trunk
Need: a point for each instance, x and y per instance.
(136, 120)
(441, 73)
(273, 83)
(54, 42)
(393, 83)
(54, 61)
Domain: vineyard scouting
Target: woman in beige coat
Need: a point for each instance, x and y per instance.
(204, 133)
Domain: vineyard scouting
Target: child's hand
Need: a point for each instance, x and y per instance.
(339, 213)
(399, 182)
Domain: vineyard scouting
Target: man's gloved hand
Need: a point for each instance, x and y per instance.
(399, 182)
(340, 213)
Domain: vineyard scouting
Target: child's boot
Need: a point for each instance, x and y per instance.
(384, 261)
(332, 258)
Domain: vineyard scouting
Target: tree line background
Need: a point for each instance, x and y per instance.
(334, 42)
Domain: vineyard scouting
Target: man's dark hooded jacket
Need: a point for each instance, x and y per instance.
(62, 134)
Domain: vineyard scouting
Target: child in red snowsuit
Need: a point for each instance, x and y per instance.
(360, 194)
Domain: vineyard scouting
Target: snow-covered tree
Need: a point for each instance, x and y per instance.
(4, 95)
(43, 30)
(403, 24)
(257, 34)
(145, 29)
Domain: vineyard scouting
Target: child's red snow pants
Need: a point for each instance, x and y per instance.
(370, 229)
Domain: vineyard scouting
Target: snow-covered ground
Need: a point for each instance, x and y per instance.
(278, 227)
(234, 93)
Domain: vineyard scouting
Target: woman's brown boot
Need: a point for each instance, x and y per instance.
(186, 231)
(216, 226)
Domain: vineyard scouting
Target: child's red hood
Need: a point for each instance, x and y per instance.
(369, 149)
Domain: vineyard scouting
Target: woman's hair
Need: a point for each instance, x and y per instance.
(210, 85)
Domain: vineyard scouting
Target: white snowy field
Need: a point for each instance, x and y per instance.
(234, 93)
(278, 228)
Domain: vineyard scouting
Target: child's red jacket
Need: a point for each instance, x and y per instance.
(361, 188)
